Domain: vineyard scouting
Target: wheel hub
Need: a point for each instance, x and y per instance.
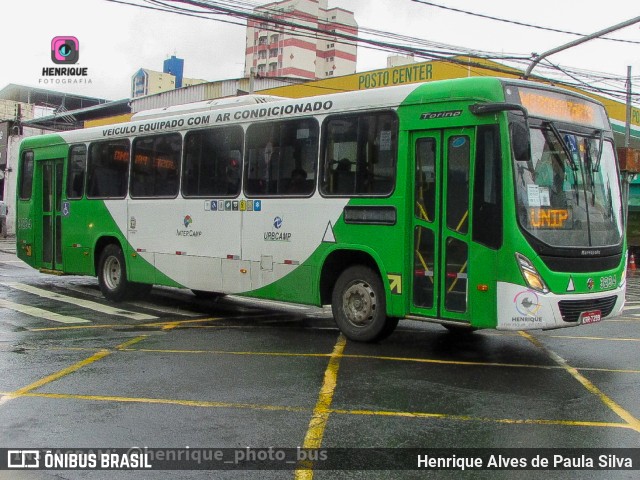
(359, 304)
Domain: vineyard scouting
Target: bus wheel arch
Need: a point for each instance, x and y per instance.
(351, 281)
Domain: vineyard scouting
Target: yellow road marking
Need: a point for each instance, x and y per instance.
(633, 422)
(72, 368)
(169, 401)
(285, 408)
(321, 412)
(124, 325)
(467, 418)
(61, 373)
(577, 337)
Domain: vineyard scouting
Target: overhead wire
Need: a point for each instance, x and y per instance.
(515, 22)
(246, 11)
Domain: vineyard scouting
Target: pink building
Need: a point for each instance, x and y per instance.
(284, 51)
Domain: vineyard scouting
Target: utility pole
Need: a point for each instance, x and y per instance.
(537, 58)
(627, 128)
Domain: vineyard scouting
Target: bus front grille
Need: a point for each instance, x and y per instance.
(571, 309)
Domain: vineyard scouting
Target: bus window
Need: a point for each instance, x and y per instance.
(156, 162)
(458, 183)
(281, 158)
(107, 169)
(26, 179)
(75, 171)
(425, 193)
(359, 153)
(487, 188)
(212, 162)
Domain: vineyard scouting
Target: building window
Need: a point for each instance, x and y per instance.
(273, 52)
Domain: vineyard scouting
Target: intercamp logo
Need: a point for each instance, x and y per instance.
(23, 459)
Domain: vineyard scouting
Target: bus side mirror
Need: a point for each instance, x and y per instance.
(519, 129)
(520, 142)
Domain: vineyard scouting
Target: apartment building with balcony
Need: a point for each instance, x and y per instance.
(297, 38)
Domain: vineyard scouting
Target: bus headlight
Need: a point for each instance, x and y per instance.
(530, 274)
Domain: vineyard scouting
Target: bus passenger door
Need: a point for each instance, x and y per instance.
(51, 214)
(441, 223)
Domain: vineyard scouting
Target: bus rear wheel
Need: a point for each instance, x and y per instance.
(359, 307)
(112, 274)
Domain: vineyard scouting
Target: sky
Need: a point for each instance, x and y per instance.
(116, 40)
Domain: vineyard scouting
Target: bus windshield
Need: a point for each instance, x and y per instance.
(568, 193)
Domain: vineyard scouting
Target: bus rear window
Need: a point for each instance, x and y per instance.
(359, 154)
(26, 176)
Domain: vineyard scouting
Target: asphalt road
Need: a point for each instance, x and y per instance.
(175, 371)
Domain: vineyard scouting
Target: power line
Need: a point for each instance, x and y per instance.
(515, 22)
(212, 10)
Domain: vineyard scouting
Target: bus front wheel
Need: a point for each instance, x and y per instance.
(112, 274)
(359, 307)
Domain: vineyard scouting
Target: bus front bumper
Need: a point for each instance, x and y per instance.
(520, 308)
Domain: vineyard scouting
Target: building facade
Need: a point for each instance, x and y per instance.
(149, 82)
(278, 47)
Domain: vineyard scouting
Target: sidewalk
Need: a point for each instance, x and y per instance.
(8, 245)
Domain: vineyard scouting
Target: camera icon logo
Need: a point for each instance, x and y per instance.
(65, 50)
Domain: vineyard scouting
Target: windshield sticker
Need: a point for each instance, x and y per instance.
(533, 194)
(458, 142)
(545, 198)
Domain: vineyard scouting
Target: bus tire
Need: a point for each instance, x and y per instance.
(359, 306)
(112, 274)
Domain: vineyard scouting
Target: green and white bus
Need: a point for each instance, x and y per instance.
(474, 203)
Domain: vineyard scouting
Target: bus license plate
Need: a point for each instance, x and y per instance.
(591, 317)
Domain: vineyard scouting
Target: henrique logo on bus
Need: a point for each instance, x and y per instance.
(187, 232)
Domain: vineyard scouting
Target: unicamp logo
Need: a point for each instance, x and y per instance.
(65, 50)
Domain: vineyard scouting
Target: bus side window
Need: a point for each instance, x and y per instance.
(281, 158)
(156, 162)
(359, 154)
(26, 176)
(108, 169)
(76, 167)
(212, 162)
(487, 194)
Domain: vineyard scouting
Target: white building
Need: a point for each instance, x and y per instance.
(277, 50)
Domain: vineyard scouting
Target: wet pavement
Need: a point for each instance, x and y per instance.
(171, 370)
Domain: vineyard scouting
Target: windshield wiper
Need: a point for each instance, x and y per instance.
(563, 144)
(596, 167)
